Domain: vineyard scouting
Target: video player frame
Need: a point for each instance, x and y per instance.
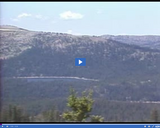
(80, 64)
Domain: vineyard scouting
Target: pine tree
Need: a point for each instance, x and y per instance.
(51, 116)
(97, 118)
(80, 107)
(14, 114)
(154, 115)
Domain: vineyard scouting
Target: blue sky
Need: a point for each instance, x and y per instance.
(86, 18)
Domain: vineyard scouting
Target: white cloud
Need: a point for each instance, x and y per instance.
(73, 33)
(24, 15)
(69, 31)
(71, 15)
(20, 16)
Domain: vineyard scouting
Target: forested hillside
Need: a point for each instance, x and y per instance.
(122, 71)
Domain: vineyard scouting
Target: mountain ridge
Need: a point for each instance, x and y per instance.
(23, 51)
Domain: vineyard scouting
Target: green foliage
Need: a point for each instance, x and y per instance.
(14, 114)
(109, 101)
(97, 118)
(154, 115)
(80, 107)
(52, 116)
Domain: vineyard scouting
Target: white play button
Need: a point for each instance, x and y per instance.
(80, 61)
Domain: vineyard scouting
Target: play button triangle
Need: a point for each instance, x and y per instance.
(80, 61)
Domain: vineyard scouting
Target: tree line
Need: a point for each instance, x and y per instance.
(79, 110)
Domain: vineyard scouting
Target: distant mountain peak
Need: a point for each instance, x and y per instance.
(11, 28)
